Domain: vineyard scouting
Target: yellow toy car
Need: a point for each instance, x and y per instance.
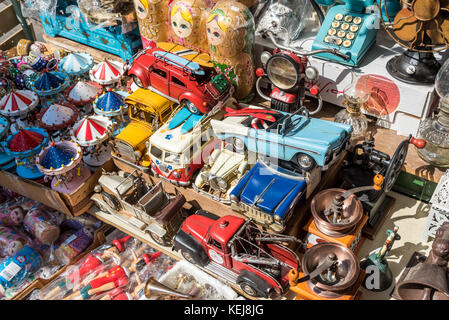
(147, 112)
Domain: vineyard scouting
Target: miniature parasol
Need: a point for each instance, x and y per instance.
(76, 64)
(18, 102)
(107, 72)
(57, 116)
(82, 92)
(91, 130)
(109, 104)
(60, 159)
(50, 82)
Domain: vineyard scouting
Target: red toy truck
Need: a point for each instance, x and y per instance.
(238, 251)
(181, 75)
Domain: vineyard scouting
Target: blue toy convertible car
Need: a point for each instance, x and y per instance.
(295, 137)
(269, 194)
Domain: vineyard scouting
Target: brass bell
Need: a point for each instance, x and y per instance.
(424, 281)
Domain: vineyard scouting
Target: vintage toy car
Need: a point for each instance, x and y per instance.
(295, 137)
(221, 173)
(182, 75)
(147, 111)
(149, 208)
(269, 193)
(238, 251)
(179, 149)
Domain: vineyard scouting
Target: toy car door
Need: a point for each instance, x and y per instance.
(159, 79)
(177, 85)
(217, 252)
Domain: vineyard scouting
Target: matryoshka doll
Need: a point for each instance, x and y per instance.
(152, 16)
(230, 33)
(248, 3)
(187, 23)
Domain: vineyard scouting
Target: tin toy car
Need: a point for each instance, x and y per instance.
(147, 111)
(147, 207)
(294, 137)
(177, 151)
(222, 171)
(181, 75)
(238, 251)
(269, 193)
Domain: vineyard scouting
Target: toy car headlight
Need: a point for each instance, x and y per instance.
(98, 188)
(223, 185)
(264, 57)
(283, 71)
(234, 199)
(176, 174)
(311, 73)
(278, 219)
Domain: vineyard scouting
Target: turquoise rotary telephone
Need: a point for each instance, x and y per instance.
(349, 29)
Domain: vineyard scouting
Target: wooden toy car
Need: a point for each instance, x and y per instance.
(238, 251)
(147, 112)
(147, 207)
(181, 75)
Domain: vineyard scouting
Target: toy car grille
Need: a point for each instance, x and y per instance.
(259, 216)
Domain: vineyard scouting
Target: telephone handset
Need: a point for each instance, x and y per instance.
(348, 28)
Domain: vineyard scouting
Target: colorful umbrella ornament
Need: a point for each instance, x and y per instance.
(82, 92)
(76, 64)
(62, 160)
(109, 104)
(107, 72)
(18, 102)
(91, 130)
(23, 146)
(57, 116)
(50, 82)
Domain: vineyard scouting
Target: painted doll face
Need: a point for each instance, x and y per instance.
(181, 27)
(13, 248)
(141, 11)
(214, 34)
(17, 216)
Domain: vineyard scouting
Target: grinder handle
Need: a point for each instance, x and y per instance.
(418, 143)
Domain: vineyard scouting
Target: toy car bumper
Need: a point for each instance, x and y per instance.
(175, 182)
(336, 154)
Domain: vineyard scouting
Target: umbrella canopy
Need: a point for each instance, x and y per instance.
(59, 157)
(26, 142)
(109, 104)
(57, 116)
(91, 130)
(18, 102)
(50, 82)
(106, 72)
(76, 63)
(83, 92)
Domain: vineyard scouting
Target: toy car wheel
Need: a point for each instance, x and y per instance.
(239, 145)
(192, 108)
(249, 289)
(187, 254)
(111, 201)
(159, 240)
(305, 162)
(137, 81)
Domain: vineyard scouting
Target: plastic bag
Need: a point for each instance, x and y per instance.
(285, 19)
(32, 8)
(107, 12)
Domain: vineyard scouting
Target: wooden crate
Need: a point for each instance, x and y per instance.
(99, 239)
(73, 204)
(10, 29)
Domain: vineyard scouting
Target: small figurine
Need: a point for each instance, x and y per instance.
(111, 104)
(11, 216)
(187, 23)
(152, 16)
(230, 33)
(379, 261)
(11, 241)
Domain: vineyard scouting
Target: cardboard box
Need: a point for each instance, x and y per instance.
(73, 204)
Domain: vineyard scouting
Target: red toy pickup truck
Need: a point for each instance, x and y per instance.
(238, 251)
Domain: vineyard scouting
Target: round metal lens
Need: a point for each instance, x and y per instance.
(222, 184)
(311, 73)
(264, 57)
(176, 174)
(282, 72)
